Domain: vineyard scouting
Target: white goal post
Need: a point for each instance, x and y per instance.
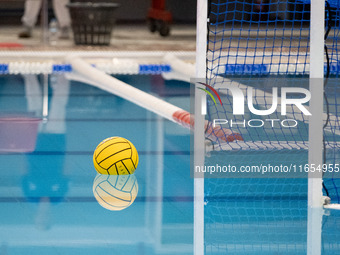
(200, 99)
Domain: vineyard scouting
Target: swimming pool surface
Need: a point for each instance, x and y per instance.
(47, 205)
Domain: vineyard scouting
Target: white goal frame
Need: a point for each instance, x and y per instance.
(316, 74)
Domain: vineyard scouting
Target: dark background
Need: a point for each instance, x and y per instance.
(130, 11)
(183, 11)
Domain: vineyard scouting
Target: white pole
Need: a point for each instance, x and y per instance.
(45, 98)
(315, 126)
(316, 103)
(201, 47)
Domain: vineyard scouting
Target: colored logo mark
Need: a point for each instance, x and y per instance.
(209, 93)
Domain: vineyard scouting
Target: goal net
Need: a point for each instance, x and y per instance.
(261, 50)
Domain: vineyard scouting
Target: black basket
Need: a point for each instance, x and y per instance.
(92, 23)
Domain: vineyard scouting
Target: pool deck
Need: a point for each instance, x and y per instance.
(133, 37)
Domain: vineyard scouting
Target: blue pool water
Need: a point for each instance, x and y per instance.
(46, 198)
(47, 205)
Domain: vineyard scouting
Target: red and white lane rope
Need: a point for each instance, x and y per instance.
(89, 74)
